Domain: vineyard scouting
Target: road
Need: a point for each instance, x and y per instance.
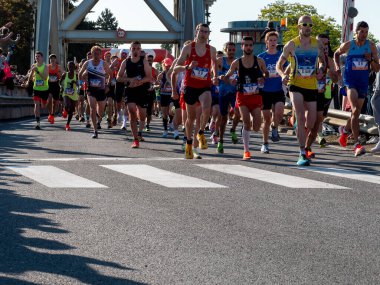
(75, 210)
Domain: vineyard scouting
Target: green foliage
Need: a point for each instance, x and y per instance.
(21, 13)
(107, 21)
(292, 11)
(167, 46)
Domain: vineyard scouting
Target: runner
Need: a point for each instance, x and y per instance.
(135, 72)
(361, 56)
(323, 99)
(151, 93)
(96, 71)
(121, 109)
(227, 96)
(303, 52)
(199, 57)
(54, 88)
(40, 72)
(251, 72)
(273, 93)
(375, 101)
(70, 96)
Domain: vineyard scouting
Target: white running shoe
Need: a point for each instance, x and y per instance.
(376, 149)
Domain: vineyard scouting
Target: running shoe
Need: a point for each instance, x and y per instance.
(275, 137)
(123, 127)
(109, 124)
(67, 127)
(165, 134)
(303, 161)
(196, 154)
(76, 117)
(82, 120)
(214, 139)
(147, 129)
(309, 154)
(95, 135)
(234, 137)
(359, 149)
(343, 139)
(98, 126)
(202, 141)
(88, 125)
(265, 148)
(341, 130)
(219, 148)
(64, 114)
(176, 135)
(376, 149)
(51, 119)
(136, 144)
(321, 141)
(246, 155)
(37, 127)
(212, 127)
(189, 151)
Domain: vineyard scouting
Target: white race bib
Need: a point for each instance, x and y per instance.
(69, 91)
(200, 73)
(359, 64)
(250, 89)
(40, 83)
(305, 71)
(95, 83)
(53, 78)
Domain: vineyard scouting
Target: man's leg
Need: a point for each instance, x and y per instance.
(205, 100)
(92, 103)
(246, 116)
(132, 109)
(190, 113)
(356, 107)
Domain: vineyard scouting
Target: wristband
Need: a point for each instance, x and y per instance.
(186, 67)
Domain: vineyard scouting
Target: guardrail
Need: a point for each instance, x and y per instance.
(339, 118)
(17, 106)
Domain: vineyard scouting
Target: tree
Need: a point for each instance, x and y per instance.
(107, 21)
(21, 13)
(292, 11)
(167, 46)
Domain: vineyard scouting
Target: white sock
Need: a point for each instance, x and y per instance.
(246, 135)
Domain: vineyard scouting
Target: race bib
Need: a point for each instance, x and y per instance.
(167, 88)
(306, 71)
(53, 78)
(40, 83)
(250, 89)
(69, 91)
(359, 64)
(273, 73)
(95, 83)
(200, 73)
(234, 76)
(321, 86)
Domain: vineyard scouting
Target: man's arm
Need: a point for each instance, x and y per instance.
(288, 49)
(341, 50)
(148, 72)
(83, 69)
(234, 67)
(214, 64)
(121, 73)
(185, 53)
(374, 60)
(263, 67)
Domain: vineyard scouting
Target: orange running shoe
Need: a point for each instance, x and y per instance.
(67, 127)
(343, 139)
(136, 144)
(247, 155)
(64, 114)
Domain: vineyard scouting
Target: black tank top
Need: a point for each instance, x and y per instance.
(247, 80)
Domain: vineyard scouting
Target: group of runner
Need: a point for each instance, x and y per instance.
(199, 88)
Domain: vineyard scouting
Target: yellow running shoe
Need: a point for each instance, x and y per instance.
(202, 141)
(189, 151)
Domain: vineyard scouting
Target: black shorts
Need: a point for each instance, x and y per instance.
(309, 95)
(40, 96)
(165, 100)
(119, 91)
(272, 98)
(138, 96)
(214, 100)
(150, 99)
(176, 104)
(54, 90)
(99, 95)
(111, 92)
(191, 95)
(323, 104)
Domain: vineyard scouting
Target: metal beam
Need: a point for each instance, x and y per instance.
(166, 18)
(198, 12)
(43, 27)
(147, 37)
(79, 13)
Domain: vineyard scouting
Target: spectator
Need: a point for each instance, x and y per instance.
(5, 73)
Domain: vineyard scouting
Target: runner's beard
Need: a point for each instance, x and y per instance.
(248, 52)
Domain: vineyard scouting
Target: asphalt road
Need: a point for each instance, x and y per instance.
(80, 211)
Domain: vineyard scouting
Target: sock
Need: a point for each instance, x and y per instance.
(190, 142)
(246, 135)
(201, 132)
(302, 150)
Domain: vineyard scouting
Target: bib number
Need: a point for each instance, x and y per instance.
(69, 91)
(306, 71)
(200, 73)
(250, 89)
(53, 78)
(95, 83)
(321, 86)
(40, 83)
(359, 64)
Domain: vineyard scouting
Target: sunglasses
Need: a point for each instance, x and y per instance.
(232, 49)
(306, 24)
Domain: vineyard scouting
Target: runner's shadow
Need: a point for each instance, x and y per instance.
(20, 252)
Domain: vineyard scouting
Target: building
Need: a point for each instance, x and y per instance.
(255, 29)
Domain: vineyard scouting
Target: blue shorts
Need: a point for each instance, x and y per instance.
(362, 90)
(225, 101)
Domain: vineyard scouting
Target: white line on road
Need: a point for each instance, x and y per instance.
(162, 177)
(345, 173)
(54, 177)
(270, 177)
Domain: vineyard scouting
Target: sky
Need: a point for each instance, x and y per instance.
(136, 15)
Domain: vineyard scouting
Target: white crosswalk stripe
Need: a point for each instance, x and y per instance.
(269, 176)
(162, 177)
(54, 177)
(345, 173)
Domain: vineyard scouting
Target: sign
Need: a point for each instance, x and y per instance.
(121, 33)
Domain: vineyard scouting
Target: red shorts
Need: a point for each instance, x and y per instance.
(250, 101)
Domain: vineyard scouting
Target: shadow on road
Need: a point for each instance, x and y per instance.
(20, 254)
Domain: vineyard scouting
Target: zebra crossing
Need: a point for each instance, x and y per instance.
(54, 177)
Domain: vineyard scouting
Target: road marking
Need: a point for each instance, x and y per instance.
(162, 177)
(270, 177)
(345, 173)
(54, 177)
(68, 159)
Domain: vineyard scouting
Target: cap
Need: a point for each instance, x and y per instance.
(167, 62)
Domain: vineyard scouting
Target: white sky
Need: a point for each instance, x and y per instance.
(136, 15)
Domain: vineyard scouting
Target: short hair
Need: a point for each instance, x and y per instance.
(135, 43)
(40, 53)
(94, 48)
(202, 25)
(228, 44)
(150, 56)
(247, 38)
(271, 34)
(52, 56)
(219, 52)
(361, 24)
